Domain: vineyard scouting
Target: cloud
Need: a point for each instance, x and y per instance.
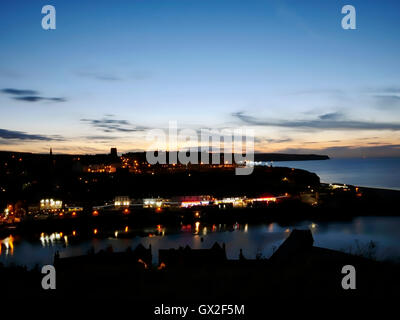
(387, 101)
(331, 116)
(331, 121)
(391, 90)
(101, 138)
(99, 76)
(320, 91)
(18, 92)
(19, 135)
(389, 97)
(36, 98)
(111, 76)
(386, 150)
(106, 124)
(29, 95)
(258, 139)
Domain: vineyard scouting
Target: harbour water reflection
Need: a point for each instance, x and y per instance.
(262, 239)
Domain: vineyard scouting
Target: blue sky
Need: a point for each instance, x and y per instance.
(114, 69)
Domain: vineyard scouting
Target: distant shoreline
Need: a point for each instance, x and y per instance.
(382, 191)
(288, 157)
(364, 188)
(257, 156)
(376, 173)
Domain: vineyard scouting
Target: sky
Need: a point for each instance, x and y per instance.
(112, 71)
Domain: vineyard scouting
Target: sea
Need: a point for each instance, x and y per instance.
(364, 172)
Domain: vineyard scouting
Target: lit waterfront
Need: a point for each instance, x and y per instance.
(253, 239)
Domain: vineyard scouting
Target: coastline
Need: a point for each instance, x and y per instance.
(376, 173)
(366, 188)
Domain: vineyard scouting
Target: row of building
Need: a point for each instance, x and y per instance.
(125, 202)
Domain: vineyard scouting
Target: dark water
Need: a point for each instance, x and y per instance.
(368, 172)
(352, 236)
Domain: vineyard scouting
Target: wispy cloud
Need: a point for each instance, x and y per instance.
(268, 140)
(392, 89)
(331, 121)
(19, 92)
(101, 138)
(389, 101)
(103, 76)
(332, 116)
(114, 76)
(391, 150)
(19, 135)
(390, 97)
(36, 98)
(29, 95)
(108, 124)
(320, 91)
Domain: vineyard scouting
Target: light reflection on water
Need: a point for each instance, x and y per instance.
(253, 239)
(8, 243)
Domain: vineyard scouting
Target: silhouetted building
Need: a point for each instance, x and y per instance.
(297, 244)
(114, 152)
(140, 257)
(192, 257)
